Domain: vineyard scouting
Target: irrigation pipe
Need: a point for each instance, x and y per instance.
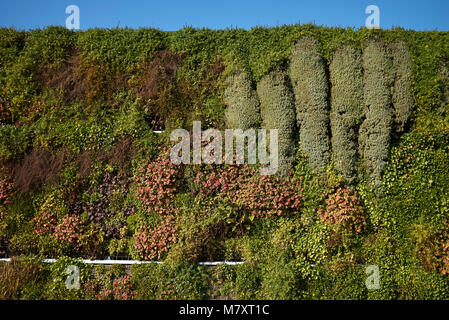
(131, 262)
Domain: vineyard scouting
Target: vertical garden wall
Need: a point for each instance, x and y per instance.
(363, 148)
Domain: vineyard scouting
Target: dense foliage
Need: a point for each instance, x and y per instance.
(363, 132)
(346, 76)
(310, 85)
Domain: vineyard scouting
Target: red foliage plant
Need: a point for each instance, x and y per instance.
(265, 196)
(343, 209)
(261, 196)
(6, 188)
(68, 230)
(152, 243)
(121, 290)
(158, 183)
(221, 180)
(45, 223)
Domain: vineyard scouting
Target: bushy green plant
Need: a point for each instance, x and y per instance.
(341, 279)
(278, 112)
(14, 142)
(402, 95)
(375, 131)
(346, 77)
(11, 43)
(49, 45)
(415, 180)
(120, 48)
(247, 281)
(223, 278)
(443, 74)
(165, 282)
(198, 228)
(57, 289)
(242, 110)
(310, 85)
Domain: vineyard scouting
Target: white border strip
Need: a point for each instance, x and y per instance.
(131, 262)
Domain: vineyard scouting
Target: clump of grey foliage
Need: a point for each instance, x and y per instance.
(278, 112)
(346, 76)
(310, 86)
(402, 95)
(375, 131)
(443, 74)
(243, 111)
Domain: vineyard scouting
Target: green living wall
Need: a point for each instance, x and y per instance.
(364, 143)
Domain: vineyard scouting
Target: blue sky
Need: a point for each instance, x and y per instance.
(169, 15)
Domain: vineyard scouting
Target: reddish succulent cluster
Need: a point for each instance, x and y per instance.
(5, 188)
(261, 196)
(158, 183)
(152, 243)
(45, 223)
(265, 196)
(121, 290)
(68, 230)
(221, 180)
(343, 208)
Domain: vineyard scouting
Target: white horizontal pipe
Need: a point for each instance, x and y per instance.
(130, 262)
(214, 263)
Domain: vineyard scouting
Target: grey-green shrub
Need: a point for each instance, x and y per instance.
(310, 86)
(443, 74)
(243, 111)
(346, 76)
(375, 131)
(277, 109)
(402, 95)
